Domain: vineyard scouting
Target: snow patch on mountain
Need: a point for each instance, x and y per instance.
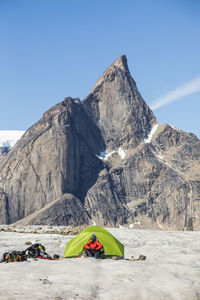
(152, 132)
(121, 153)
(105, 155)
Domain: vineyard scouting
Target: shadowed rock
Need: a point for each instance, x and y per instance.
(55, 156)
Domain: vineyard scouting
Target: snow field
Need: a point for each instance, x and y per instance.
(171, 270)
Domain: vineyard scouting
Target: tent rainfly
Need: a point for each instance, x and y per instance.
(112, 247)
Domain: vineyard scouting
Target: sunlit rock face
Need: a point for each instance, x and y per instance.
(118, 109)
(111, 158)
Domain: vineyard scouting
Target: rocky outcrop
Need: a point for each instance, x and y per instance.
(103, 160)
(54, 157)
(67, 210)
(38, 229)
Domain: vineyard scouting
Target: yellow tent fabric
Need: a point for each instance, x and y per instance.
(112, 247)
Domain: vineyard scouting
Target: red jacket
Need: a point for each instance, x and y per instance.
(94, 245)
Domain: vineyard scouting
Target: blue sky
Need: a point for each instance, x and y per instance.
(51, 49)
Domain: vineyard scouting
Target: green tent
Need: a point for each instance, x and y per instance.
(111, 245)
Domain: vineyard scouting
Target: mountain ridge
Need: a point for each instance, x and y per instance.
(111, 156)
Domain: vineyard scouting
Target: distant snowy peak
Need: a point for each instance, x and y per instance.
(8, 138)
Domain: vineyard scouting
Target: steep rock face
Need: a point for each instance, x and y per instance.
(179, 152)
(105, 160)
(54, 157)
(118, 109)
(156, 185)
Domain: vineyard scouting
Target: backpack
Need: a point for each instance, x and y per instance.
(35, 250)
(14, 256)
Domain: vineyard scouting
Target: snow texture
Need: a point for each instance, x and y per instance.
(170, 272)
(159, 156)
(152, 132)
(8, 138)
(105, 155)
(121, 153)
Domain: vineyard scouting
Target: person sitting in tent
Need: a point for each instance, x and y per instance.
(111, 246)
(93, 248)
